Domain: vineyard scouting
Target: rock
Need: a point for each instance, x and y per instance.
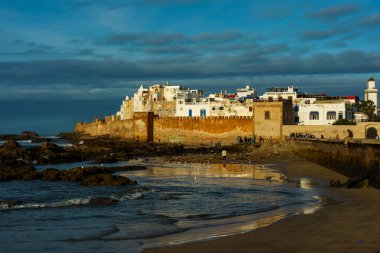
(17, 173)
(29, 134)
(105, 159)
(49, 147)
(106, 180)
(11, 145)
(51, 175)
(101, 201)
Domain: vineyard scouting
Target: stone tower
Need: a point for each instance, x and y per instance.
(371, 93)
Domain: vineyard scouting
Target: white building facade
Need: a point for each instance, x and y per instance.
(371, 93)
(312, 112)
(276, 94)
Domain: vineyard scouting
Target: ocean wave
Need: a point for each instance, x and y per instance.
(9, 205)
(93, 200)
(137, 194)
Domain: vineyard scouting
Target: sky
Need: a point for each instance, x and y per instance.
(64, 61)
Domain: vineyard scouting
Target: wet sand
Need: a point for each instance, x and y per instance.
(350, 221)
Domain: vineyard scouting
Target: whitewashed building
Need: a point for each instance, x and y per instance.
(246, 93)
(279, 93)
(310, 111)
(371, 93)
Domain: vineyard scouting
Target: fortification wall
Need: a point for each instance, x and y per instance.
(202, 130)
(330, 131)
(357, 159)
(140, 127)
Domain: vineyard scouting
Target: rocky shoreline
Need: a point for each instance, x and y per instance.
(18, 162)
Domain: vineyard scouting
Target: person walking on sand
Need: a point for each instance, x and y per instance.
(224, 154)
(349, 136)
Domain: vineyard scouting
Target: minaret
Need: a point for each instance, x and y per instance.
(371, 93)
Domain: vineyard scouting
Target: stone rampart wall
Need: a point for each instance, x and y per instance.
(357, 159)
(330, 131)
(140, 127)
(202, 130)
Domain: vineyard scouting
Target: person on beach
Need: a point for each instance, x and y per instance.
(349, 136)
(224, 154)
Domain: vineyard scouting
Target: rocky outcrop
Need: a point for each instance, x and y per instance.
(94, 176)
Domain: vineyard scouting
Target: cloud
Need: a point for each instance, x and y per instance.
(90, 73)
(336, 44)
(322, 34)
(336, 11)
(373, 20)
(157, 39)
(145, 39)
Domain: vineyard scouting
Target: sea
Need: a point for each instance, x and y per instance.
(173, 203)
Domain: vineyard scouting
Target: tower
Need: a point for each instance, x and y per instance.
(371, 93)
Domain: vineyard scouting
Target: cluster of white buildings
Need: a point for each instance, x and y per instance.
(179, 101)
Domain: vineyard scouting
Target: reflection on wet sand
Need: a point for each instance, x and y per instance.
(220, 170)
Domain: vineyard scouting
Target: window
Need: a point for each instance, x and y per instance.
(250, 108)
(267, 114)
(166, 110)
(180, 102)
(314, 115)
(203, 112)
(213, 108)
(270, 98)
(221, 108)
(296, 108)
(331, 115)
(173, 110)
(340, 115)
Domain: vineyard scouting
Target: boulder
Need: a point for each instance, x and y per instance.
(102, 201)
(51, 175)
(106, 180)
(50, 147)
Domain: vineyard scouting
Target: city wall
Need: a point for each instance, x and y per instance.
(202, 130)
(360, 130)
(357, 159)
(140, 127)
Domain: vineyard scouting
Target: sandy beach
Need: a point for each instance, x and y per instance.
(349, 221)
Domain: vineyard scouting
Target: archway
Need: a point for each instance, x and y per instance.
(371, 133)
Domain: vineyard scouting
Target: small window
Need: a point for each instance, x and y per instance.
(270, 98)
(267, 114)
(250, 108)
(221, 108)
(173, 110)
(296, 108)
(314, 115)
(331, 115)
(213, 108)
(166, 110)
(180, 102)
(340, 115)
